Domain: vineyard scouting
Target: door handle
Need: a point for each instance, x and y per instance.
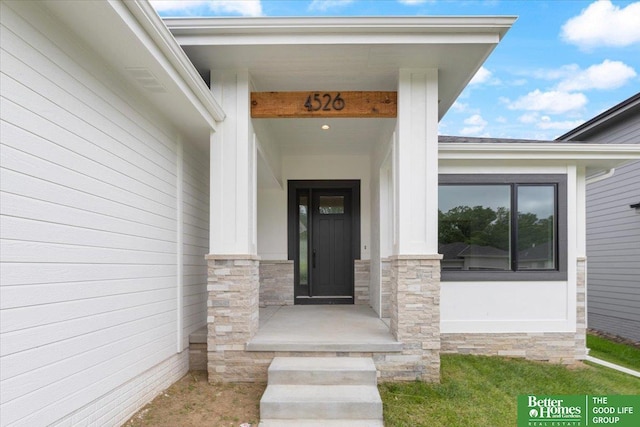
(313, 258)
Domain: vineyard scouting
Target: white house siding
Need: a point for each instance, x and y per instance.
(516, 307)
(195, 213)
(89, 235)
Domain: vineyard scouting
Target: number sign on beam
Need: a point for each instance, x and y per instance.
(266, 105)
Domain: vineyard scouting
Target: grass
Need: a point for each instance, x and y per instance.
(482, 391)
(620, 354)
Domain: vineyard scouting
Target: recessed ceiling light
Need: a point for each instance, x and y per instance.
(325, 127)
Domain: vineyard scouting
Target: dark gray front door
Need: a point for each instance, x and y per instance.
(331, 260)
(324, 239)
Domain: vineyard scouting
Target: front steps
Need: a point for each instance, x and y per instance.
(321, 391)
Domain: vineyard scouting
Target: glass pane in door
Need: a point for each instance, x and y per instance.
(303, 239)
(331, 205)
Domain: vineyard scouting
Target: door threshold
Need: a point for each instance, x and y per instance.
(326, 300)
(327, 296)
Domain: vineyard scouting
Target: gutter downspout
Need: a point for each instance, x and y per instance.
(600, 176)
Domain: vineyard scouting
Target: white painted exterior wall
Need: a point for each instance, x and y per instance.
(527, 306)
(272, 203)
(104, 228)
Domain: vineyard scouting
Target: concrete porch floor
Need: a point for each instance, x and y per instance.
(318, 328)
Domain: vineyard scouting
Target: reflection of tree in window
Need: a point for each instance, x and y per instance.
(479, 237)
(303, 240)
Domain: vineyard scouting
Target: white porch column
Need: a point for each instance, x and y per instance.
(233, 266)
(233, 168)
(415, 263)
(416, 163)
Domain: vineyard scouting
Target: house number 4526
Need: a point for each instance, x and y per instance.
(324, 102)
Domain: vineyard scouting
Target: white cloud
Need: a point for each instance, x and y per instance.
(189, 7)
(324, 5)
(547, 124)
(412, 2)
(475, 125)
(608, 75)
(529, 118)
(551, 102)
(501, 119)
(459, 107)
(482, 76)
(603, 24)
(555, 73)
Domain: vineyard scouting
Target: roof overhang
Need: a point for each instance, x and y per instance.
(141, 53)
(595, 158)
(289, 54)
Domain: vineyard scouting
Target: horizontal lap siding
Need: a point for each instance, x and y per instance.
(195, 214)
(88, 231)
(613, 241)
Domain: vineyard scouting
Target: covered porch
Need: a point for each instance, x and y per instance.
(370, 179)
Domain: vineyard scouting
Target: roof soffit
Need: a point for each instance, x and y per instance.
(125, 36)
(343, 53)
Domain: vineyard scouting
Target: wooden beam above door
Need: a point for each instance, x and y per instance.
(267, 105)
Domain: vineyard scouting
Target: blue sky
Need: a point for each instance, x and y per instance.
(562, 63)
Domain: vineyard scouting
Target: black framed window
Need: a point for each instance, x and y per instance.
(502, 227)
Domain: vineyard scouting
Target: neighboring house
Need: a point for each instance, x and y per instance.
(140, 204)
(613, 226)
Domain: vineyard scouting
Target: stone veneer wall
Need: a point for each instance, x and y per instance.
(391, 366)
(415, 314)
(555, 347)
(362, 277)
(276, 283)
(232, 314)
(385, 288)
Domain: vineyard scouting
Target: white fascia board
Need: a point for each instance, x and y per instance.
(346, 24)
(595, 158)
(386, 30)
(336, 39)
(192, 84)
(538, 151)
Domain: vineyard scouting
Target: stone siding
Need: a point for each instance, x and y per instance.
(276, 283)
(391, 366)
(581, 310)
(554, 347)
(362, 275)
(232, 314)
(415, 314)
(385, 288)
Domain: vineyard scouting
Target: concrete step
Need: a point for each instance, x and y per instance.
(322, 371)
(321, 402)
(321, 423)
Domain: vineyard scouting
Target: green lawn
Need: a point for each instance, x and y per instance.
(620, 354)
(482, 391)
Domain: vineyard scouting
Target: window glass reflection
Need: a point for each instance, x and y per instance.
(303, 239)
(536, 227)
(475, 227)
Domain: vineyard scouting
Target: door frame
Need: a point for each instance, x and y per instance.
(292, 229)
